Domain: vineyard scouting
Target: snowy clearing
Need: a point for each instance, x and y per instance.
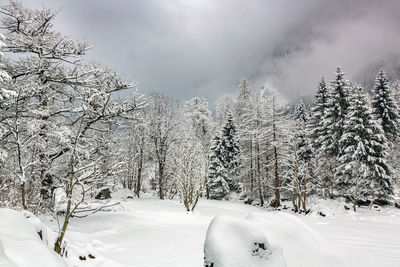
(151, 232)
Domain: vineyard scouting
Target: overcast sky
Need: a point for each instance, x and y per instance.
(188, 48)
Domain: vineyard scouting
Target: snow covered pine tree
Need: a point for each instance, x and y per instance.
(332, 128)
(217, 174)
(362, 172)
(384, 108)
(230, 152)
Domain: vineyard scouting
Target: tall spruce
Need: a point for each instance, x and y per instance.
(317, 113)
(230, 151)
(334, 118)
(384, 107)
(362, 172)
(330, 131)
(301, 136)
(217, 174)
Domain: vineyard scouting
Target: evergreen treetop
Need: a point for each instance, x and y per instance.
(230, 147)
(317, 112)
(384, 108)
(334, 117)
(300, 113)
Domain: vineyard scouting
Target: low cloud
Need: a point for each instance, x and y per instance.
(203, 48)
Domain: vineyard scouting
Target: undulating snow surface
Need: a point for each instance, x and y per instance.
(150, 232)
(301, 245)
(20, 244)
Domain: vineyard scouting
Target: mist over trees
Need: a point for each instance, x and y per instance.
(65, 129)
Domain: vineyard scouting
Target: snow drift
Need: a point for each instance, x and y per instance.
(235, 242)
(287, 242)
(20, 244)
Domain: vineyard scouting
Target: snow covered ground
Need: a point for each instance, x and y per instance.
(150, 232)
(20, 245)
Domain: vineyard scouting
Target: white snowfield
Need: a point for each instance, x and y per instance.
(20, 245)
(154, 233)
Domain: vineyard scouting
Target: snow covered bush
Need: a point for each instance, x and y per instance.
(236, 242)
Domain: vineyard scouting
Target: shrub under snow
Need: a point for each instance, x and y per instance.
(236, 242)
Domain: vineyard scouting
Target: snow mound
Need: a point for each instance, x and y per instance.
(20, 244)
(268, 239)
(329, 207)
(301, 245)
(122, 194)
(236, 242)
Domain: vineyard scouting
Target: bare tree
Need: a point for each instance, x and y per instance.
(188, 165)
(163, 120)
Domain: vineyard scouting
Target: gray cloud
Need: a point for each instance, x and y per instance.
(203, 47)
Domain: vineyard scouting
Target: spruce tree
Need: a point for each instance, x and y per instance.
(317, 112)
(394, 153)
(384, 108)
(217, 175)
(301, 136)
(300, 112)
(230, 147)
(362, 172)
(330, 131)
(334, 117)
(230, 151)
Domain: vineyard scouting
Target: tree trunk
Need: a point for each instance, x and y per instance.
(196, 201)
(251, 169)
(139, 174)
(58, 244)
(206, 177)
(69, 191)
(160, 179)
(277, 201)
(304, 192)
(206, 186)
(138, 182)
(260, 185)
(299, 199)
(296, 209)
(23, 196)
